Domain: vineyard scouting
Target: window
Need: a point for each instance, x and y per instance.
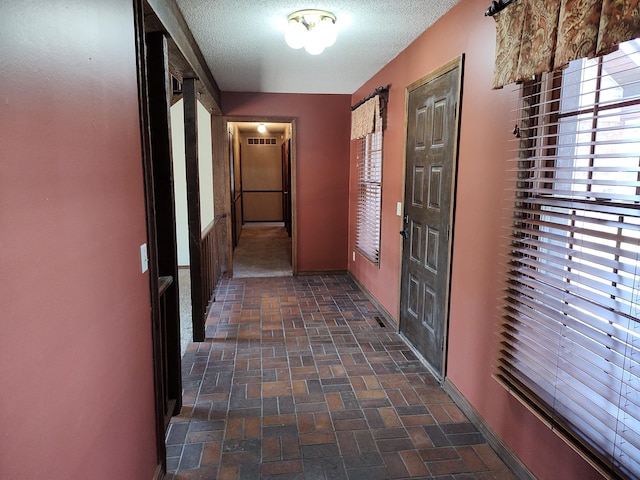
(570, 339)
(369, 196)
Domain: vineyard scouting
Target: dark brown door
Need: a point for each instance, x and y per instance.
(286, 185)
(432, 105)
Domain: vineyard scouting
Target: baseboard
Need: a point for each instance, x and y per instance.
(159, 475)
(506, 455)
(388, 318)
(321, 272)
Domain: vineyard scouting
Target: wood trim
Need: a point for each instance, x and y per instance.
(210, 248)
(170, 16)
(165, 220)
(222, 192)
(209, 227)
(159, 473)
(293, 190)
(190, 101)
(505, 454)
(145, 137)
(447, 67)
(324, 272)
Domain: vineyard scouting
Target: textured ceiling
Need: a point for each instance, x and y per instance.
(243, 41)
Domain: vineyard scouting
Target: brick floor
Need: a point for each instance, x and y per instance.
(298, 380)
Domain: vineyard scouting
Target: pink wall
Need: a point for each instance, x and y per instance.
(76, 378)
(323, 126)
(480, 219)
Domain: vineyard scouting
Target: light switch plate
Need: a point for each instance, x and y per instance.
(399, 209)
(144, 258)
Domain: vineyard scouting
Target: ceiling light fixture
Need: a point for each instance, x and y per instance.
(314, 30)
(262, 128)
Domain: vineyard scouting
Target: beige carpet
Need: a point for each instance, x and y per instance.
(264, 250)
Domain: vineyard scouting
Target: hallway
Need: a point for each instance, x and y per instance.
(300, 381)
(264, 250)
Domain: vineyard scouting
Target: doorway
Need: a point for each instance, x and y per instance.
(262, 186)
(431, 155)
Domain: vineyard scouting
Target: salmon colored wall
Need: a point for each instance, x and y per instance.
(76, 377)
(322, 169)
(480, 219)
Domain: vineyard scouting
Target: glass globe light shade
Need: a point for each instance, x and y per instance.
(327, 29)
(295, 35)
(315, 43)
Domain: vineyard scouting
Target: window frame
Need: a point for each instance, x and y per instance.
(369, 204)
(536, 279)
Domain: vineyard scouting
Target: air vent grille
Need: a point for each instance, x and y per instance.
(261, 141)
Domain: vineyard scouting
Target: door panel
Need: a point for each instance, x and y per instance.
(429, 192)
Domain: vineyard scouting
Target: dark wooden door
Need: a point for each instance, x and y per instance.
(286, 184)
(432, 106)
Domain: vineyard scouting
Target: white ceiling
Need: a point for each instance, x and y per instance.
(243, 41)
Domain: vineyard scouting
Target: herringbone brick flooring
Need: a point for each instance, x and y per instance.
(299, 380)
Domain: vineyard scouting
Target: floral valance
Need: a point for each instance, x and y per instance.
(536, 36)
(366, 118)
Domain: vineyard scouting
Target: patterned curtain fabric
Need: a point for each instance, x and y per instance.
(619, 22)
(579, 22)
(539, 37)
(536, 36)
(509, 26)
(366, 118)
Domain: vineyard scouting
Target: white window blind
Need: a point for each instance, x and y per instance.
(570, 338)
(369, 196)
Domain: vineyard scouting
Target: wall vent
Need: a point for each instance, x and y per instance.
(261, 141)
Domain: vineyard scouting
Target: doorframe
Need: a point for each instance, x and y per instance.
(457, 62)
(294, 209)
(146, 153)
(152, 64)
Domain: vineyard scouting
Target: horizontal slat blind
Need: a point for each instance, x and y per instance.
(570, 339)
(369, 196)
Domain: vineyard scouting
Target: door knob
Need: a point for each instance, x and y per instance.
(405, 232)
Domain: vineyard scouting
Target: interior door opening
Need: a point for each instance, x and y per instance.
(262, 187)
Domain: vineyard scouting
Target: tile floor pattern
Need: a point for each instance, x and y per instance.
(300, 381)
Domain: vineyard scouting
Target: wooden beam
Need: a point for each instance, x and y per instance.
(171, 18)
(166, 258)
(222, 190)
(198, 305)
